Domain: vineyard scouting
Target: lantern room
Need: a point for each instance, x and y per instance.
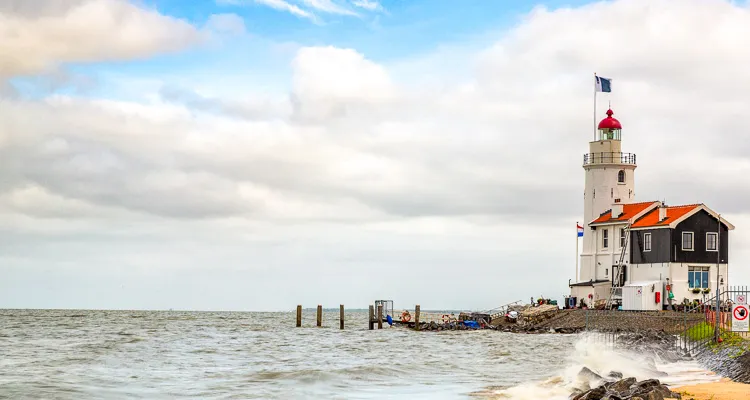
(610, 128)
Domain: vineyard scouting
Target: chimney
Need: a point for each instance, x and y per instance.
(616, 210)
(662, 212)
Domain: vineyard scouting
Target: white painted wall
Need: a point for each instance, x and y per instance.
(601, 189)
(598, 292)
(598, 264)
(679, 279)
(649, 272)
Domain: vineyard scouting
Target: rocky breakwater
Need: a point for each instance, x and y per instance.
(730, 360)
(614, 387)
(514, 328)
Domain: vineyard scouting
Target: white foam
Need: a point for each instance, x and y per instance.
(603, 359)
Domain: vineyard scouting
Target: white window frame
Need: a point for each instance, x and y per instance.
(716, 235)
(623, 237)
(605, 238)
(647, 242)
(704, 285)
(692, 241)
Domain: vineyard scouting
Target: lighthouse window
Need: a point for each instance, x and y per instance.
(687, 241)
(621, 176)
(646, 242)
(605, 238)
(622, 237)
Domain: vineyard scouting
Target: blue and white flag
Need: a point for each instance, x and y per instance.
(603, 84)
(580, 230)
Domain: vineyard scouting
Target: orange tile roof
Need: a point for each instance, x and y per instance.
(628, 211)
(673, 213)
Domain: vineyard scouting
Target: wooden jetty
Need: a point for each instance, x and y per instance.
(383, 309)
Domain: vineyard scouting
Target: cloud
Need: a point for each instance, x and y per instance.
(227, 23)
(322, 6)
(102, 30)
(280, 5)
(328, 6)
(365, 166)
(369, 5)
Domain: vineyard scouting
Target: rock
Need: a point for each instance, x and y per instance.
(620, 386)
(642, 386)
(588, 375)
(593, 394)
(614, 375)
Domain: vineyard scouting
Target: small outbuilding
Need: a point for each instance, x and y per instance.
(642, 296)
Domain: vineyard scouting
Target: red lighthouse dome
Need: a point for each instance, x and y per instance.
(609, 122)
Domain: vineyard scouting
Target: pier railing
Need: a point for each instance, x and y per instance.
(609, 158)
(498, 312)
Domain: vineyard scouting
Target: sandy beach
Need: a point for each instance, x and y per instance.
(723, 390)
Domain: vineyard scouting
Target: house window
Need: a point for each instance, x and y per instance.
(698, 277)
(646, 242)
(622, 237)
(621, 177)
(606, 271)
(605, 238)
(712, 241)
(687, 241)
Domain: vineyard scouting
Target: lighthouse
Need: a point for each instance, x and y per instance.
(642, 255)
(609, 184)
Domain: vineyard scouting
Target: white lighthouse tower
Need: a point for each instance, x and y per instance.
(610, 184)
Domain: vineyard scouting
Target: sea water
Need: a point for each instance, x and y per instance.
(71, 354)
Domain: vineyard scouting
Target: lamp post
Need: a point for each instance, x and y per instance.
(718, 288)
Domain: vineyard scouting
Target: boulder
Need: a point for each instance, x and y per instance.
(623, 385)
(588, 375)
(614, 375)
(593, 394)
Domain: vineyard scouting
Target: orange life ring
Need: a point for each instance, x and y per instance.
(405, 316)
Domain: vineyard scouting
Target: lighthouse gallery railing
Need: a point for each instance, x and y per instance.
(609, 158)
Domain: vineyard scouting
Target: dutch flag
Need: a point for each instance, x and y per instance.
(580, 230)
(603, 84)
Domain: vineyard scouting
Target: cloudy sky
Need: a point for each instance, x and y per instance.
(258, 154)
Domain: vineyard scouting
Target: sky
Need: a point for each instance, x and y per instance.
(259, 154)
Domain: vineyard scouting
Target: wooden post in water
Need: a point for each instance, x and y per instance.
(341, 316)
(320, 315)
(299, 315)
(371, 319)
(416, 317)
(380, 316)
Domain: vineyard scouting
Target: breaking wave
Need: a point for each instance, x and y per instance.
(593, 358)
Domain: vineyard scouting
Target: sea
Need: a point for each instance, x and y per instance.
(80, 354)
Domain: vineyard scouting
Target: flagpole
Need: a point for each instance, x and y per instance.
(576, 277)
(594, 108)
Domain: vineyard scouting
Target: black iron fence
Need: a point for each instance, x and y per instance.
(609, 158)
(692, 329)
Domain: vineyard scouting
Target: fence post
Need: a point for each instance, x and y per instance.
(718, 313)
(380, 316)
(341, 316)
(299, 316)
(587, 320)
(416, 317)
(371, 318)
(320, 315)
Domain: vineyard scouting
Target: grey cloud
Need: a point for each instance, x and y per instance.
(124, 31)
(258, 110)
(358, 173)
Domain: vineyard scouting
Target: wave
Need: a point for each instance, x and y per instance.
(603, 359)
